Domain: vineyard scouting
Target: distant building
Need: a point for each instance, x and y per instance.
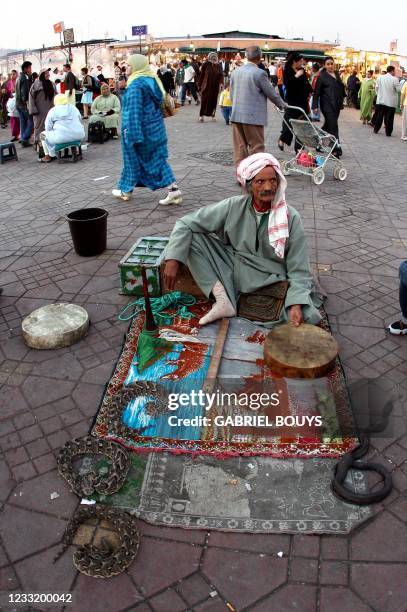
(229, 43)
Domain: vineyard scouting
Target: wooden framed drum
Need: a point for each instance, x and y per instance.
(306, 351)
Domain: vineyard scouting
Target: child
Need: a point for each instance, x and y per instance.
(225, 104)
(14, 117)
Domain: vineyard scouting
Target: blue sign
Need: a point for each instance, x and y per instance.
(139, 30)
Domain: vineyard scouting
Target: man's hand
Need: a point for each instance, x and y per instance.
(296, 315)
(171, 273)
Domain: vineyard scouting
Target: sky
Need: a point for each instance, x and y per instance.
(369, 25)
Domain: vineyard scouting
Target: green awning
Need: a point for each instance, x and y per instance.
(307, 53)
(231, 50)
(206, 50)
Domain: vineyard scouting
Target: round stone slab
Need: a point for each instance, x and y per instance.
(55, 326)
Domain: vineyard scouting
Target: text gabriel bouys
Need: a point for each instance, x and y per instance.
(246, 420)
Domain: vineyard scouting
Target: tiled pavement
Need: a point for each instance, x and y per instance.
(357, 234)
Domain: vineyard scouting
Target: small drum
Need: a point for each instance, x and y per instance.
(306, 351)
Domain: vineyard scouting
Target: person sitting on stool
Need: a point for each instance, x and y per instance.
(63, 124)
(106, 108)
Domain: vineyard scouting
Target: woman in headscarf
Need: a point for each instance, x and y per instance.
(210, 80)
(297, 93)
(165, 75)
(106, 108)
(144, 139)
(40, 101)
(8, 89)
(62, 124)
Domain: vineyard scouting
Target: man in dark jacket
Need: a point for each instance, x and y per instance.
(329, 93)
(23, 86)
(70, 81)
(353, 85)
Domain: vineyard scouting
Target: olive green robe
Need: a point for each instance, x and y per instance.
(367, 94)
(103, 104)
(224, 242)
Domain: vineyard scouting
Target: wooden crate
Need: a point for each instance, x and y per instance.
(147, 252)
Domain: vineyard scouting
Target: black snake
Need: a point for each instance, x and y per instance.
(351, 460)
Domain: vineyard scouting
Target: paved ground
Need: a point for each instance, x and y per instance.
(357, 233)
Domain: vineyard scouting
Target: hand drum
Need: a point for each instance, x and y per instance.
(306, 351)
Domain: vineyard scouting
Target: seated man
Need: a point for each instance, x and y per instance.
(106, 108)
(244, 243)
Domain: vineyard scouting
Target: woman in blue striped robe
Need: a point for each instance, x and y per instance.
(144, 138)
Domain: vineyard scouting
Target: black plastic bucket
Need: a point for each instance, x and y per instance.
(88, 227)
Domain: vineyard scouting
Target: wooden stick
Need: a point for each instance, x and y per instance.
(216, 356)
(210, 380)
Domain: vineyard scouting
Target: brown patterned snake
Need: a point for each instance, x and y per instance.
(87, 484)
(113, 406)
(103, 562)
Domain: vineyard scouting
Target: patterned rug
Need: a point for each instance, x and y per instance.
(256, 494)
(234, 429)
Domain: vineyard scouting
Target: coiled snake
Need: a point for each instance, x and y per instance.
(103, 562)
(113, 407)
(87, 484)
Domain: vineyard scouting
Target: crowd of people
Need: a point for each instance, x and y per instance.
(45, 105)
(28, 100)
(240, 87)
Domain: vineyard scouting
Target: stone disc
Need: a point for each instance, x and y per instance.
(306, 351)
(55, 326)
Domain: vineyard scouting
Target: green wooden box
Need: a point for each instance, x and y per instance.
(147, 252)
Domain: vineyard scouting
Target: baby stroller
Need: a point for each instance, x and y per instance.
(317, 150)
